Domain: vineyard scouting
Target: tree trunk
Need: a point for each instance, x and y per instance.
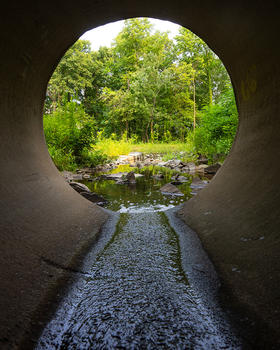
(126, 129)
(152, 119)
(210, 93)
(194, 107)
(147, 134)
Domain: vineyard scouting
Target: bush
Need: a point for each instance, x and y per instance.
(217, 128)
(92, 158)
(62, 160)
(68, 132)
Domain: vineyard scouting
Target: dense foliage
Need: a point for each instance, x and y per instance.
(70, 134)
(145, 88)
(217, 128)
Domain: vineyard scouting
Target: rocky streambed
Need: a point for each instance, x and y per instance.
(138, 181)
(140, 160)
(146, 283)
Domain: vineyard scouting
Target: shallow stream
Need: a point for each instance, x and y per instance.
(135, 292)
(145, 194)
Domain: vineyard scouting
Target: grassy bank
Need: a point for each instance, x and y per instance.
(112, 148)
(108, 150)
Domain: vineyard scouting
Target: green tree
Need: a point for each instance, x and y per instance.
(210, 77)
(156, 99)
(180, 103)
(101, 77)
(72, 75)
(145, 86)
(131, 62)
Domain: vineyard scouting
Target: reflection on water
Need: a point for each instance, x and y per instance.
(142, 196)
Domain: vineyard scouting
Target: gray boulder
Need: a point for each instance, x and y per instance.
(197, 185)
(174, 163)
(212, 169)
(94, 198)
(178, 180)
(130, 158)
(158, 176)
(191, 167)
(69, 176)
(78, 187)
(84, 191)
(170, 189)
(128, 178)
(116, 176)
(200, 168)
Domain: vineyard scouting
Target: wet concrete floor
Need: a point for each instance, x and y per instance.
(136, 295)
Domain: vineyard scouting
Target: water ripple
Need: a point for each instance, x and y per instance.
(137, 297)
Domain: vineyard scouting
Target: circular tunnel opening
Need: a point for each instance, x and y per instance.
(223, 214)
(158, 101)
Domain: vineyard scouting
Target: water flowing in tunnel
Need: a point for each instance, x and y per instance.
(46, 228)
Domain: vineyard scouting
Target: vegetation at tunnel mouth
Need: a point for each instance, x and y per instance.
(146, 93)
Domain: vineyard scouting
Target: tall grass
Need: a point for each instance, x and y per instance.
(114, 148)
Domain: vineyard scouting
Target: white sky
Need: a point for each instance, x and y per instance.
(104, 35)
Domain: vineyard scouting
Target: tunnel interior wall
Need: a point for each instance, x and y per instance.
(45, 226)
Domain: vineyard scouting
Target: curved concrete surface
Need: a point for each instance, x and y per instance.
(45, 226)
